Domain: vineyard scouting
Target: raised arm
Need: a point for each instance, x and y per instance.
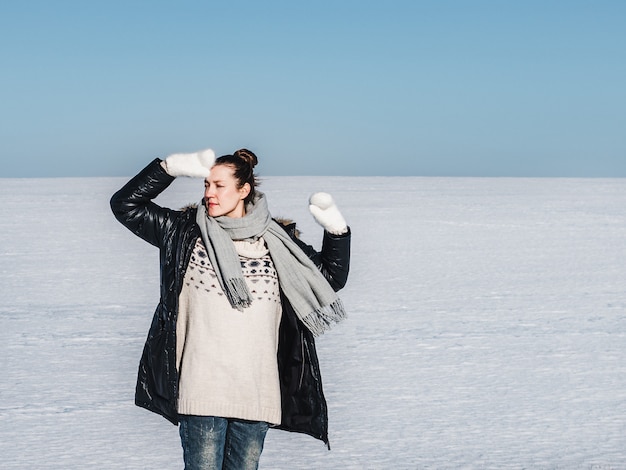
(133, 207)
(334, 258)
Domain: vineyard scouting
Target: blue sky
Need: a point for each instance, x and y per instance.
(343, 87)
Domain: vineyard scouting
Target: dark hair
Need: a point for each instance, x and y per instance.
(242, 162)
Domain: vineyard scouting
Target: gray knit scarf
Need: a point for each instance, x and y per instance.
(314, 301)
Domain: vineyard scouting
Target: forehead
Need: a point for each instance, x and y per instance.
(221, 173)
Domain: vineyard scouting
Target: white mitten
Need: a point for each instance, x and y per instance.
(196, 165)
(327, 214)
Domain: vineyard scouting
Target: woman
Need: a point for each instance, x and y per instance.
(230, 350)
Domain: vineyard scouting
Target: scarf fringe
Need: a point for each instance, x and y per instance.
(322, 319)
(238, 294)
(313, 300)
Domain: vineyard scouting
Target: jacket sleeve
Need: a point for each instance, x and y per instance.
(334, 259)
(133, 207)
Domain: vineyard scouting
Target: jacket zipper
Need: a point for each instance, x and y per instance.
(303, 361)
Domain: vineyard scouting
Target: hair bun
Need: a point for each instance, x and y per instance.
(248, 156)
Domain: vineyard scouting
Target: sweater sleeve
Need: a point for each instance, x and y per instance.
(133, 207)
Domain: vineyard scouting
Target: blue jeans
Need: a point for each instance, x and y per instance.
(211, 443)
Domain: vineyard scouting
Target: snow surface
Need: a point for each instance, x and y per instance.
(487, 326)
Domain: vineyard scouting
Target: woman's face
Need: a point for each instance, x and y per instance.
(221, 194)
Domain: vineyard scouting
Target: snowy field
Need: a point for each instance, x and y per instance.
(487, 326)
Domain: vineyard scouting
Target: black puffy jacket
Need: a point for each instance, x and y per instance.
(174, 233)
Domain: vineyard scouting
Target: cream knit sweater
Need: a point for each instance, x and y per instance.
(227, 359)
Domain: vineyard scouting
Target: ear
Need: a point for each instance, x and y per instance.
(244, 190)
